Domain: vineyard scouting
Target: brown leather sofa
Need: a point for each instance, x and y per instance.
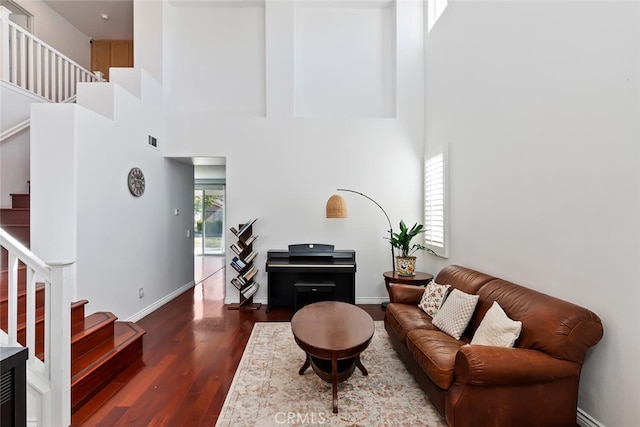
(533, 384)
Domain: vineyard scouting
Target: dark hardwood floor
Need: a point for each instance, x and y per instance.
(191, 350)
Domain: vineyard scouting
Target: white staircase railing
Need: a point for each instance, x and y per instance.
(14, 130)
(33, 65)
(53, 374)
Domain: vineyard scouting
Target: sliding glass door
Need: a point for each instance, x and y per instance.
(208, 202)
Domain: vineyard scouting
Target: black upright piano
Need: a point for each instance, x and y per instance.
(310, 272)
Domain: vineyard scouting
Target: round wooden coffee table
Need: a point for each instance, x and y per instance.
(332, 334)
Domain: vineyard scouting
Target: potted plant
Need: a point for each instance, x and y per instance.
(406, 262)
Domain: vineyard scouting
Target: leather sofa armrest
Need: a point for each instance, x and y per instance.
(405, 294)
(490, 366)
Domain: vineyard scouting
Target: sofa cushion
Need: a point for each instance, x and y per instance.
(432, 297)
(465, 279)
(497, 329)
(557, 327)
(454, 315)
(435, 352)
(404, 318)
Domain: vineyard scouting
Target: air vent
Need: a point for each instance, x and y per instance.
(6, 387)
(153, 141)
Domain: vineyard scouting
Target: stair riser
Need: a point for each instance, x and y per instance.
(22, 337)
(90, 341)
(4, 280)
(93, 383)
(22, 334)
(19, 232)
(14, 217)
(100, 349)
(20, 201)
(77, 316)
(22, 304)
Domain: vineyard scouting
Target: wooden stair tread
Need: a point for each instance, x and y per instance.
(101, 346)
(80, 303)
(22, 318)
(91, 332)
(20, 232)
(91, 323)
(22, 290)
(124, 334)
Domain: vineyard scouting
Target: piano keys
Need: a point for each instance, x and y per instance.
(308, 273)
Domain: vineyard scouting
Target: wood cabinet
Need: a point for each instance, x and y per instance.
(111, 53)
(13, 380)
(243, 264)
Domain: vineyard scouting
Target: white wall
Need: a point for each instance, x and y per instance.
(57, 32)
(82, 209)
(539, 102)
(15, 104)
(147, 33)
(209, 172)
(282, 168)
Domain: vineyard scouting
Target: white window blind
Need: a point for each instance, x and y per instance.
(434, 203)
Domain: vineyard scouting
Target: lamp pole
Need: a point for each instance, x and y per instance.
(393, 255)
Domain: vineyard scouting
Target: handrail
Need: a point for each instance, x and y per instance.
(10, 243)
(54, 371)
(25, 124)
(15, 129)
(33, 65)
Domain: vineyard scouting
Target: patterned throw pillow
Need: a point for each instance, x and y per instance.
(497, 329)
(432, 297)
(455, 314)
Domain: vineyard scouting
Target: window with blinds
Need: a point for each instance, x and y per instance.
(434, 204)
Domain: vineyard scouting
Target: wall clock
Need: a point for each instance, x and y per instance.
(135, 180)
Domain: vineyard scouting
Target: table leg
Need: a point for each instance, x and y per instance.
(306, 365)
(360, 366)
(334, 381)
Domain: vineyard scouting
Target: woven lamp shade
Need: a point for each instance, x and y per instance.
(336, 207)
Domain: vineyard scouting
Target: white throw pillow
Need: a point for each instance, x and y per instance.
(455, 314)
(432, 297)
(497, 329)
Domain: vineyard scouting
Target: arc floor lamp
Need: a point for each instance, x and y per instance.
(337, 208)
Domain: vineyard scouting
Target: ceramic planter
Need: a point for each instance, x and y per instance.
(406, 266)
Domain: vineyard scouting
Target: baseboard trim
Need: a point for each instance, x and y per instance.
(586, 420)
(371, 300)
(162, 301)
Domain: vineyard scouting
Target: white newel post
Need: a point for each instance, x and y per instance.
(4, 43)
(60, 343)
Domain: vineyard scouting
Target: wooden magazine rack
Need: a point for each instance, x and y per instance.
(243, 264)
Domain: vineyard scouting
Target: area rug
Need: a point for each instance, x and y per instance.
(267, 390)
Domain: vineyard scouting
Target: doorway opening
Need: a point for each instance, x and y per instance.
(209, 219)
(209, 225)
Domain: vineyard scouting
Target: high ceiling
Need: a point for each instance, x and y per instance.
(98, 19)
